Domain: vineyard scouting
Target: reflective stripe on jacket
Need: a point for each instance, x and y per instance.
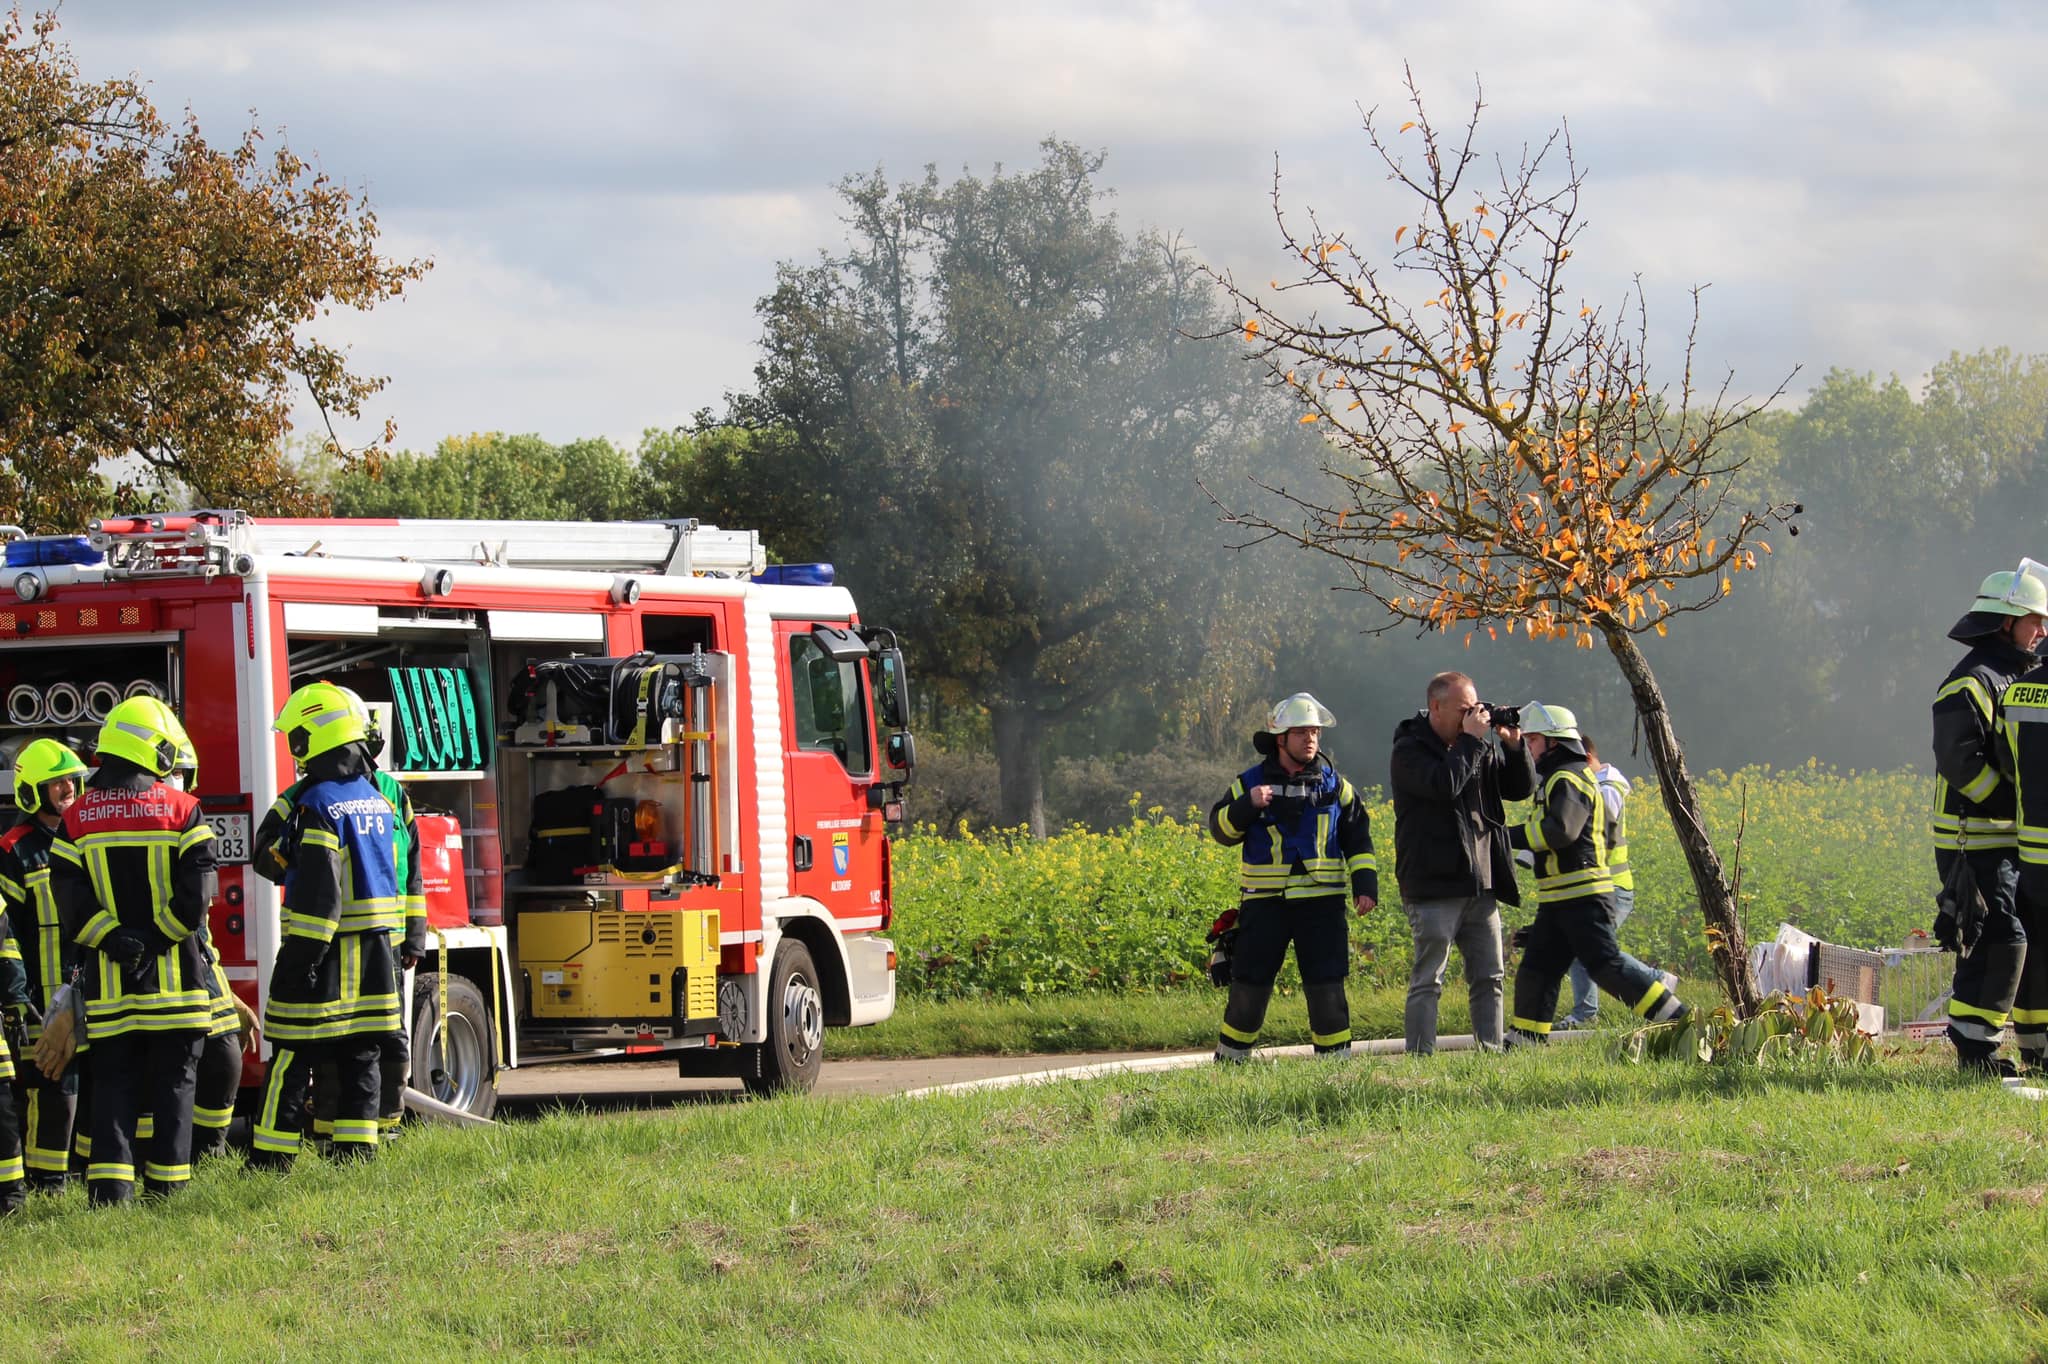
(1614, 800)
(136, 854)
(32, 913)
(356, 824)
(1973, 800)
(1313, 839)
(2025, 722)
(1567, 831)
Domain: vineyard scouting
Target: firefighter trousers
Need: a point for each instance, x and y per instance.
(1989, 975)
(133, 1073)
(1581, 929)
(280, 1122)
(213, 1105)
(49, 1107)
(394, 1068)
(1320, 931)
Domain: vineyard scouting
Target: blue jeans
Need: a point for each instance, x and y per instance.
(1585, 994)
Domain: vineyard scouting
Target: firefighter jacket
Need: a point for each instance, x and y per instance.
(1314, 838)
(277, 840)
(31, 918)
(335, 975)
(2026, 743)
(1450, 813)
(1567, 830)
(1614, 789)
(133, 869)
(1973, 797)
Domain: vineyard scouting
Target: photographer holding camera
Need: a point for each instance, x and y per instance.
(1451, 779)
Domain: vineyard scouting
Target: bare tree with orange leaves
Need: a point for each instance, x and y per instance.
(1499, 459)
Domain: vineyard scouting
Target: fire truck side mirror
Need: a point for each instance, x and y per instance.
(893, 692)
(902, 751)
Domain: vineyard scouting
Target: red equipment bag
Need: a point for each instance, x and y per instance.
(440, 854)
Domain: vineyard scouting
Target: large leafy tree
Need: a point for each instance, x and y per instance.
(496, 477)
(1500, 459)
(156, 293)
(993, 408)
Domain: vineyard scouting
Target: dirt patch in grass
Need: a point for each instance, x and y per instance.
(2029, 1197)
(1621, 1164)
(554, 1249)
(1864, 1174)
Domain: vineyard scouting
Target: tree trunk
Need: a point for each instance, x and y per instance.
(1020, 777)
(1725, 939)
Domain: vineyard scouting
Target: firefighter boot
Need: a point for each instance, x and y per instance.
(13, 1194)
(1243, 1014)
(1329, 1019)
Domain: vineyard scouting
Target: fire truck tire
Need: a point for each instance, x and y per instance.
(462, 1076)
(795, 1050)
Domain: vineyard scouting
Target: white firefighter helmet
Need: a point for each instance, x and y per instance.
(2021, 592)
(1299, 711)
(1552, 722)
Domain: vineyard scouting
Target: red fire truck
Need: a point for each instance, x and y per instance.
(655, 777)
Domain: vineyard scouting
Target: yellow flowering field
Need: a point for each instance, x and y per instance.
(1843, 855)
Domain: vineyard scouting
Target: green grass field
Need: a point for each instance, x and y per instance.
(1527, 1207)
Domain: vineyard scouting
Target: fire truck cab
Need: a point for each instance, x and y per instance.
(654, 778)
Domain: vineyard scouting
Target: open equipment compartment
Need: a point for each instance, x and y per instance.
(62, 688)
(617, 870)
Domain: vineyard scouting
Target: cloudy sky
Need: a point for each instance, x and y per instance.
(605, 188)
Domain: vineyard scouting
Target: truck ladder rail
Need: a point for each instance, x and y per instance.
(675, 548)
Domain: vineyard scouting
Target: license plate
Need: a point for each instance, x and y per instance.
(230, 839)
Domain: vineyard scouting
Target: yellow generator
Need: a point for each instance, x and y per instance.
(599, 969)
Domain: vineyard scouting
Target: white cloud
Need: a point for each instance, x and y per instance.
(606, 188)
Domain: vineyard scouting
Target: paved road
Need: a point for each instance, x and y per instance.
(610, 1086)
(601, 1086)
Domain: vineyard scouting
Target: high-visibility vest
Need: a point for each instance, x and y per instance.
(365, 834)
(1580, 867)
(1617, 839)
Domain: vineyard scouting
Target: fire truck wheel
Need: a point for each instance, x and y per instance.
(795, 1049)
(460, 1076)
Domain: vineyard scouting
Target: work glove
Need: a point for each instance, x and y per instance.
(1518, 938)
(1945, 931)
(15, 1026)
(1222, 939)
(61, 1031)
(126, 949)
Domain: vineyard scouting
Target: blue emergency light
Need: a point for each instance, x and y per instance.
(797, 575)
(43, 551)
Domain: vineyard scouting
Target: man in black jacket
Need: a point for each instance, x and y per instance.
(1451, 857)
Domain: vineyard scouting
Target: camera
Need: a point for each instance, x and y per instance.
(1503, 717)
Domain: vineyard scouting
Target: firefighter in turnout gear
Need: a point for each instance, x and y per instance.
(334, 987)
(229, 1033)
(1976, 839)
(133, 868)
(47, 776)
(273, 858)
(1305, 850)
(2026, 738)
(1574, 887)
